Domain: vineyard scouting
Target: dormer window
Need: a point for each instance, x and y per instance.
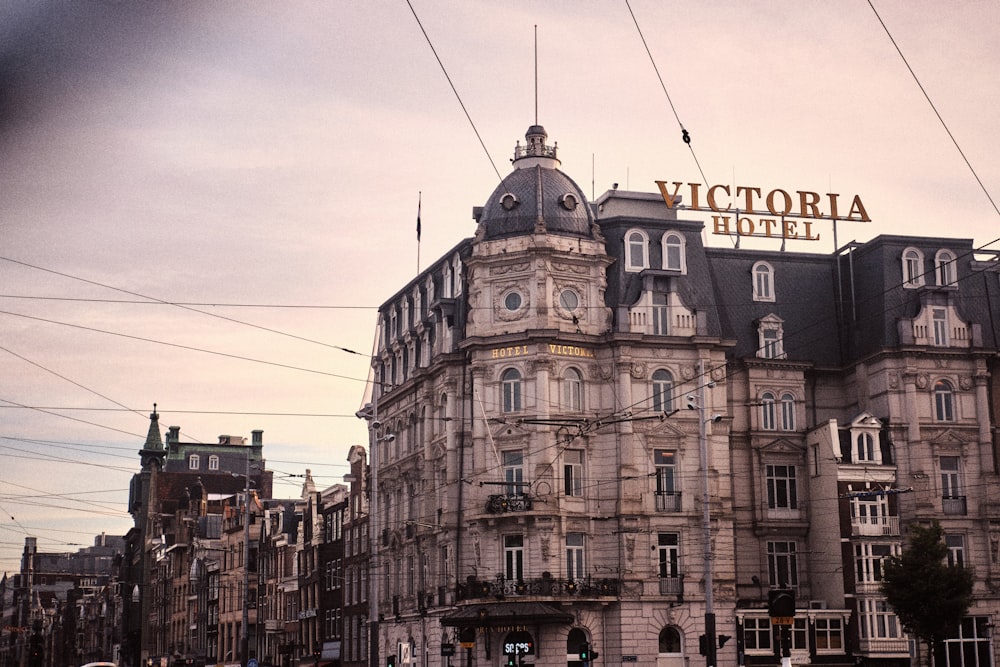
(194, 462)
(636, 250)
(763, 282)
(913, 268)
(673, 252)
(770, 334)
(213, 462)
(944, 267)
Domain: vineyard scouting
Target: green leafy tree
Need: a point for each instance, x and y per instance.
(930, 597)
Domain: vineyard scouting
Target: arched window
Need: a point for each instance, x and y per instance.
(194, 462)
(663, 391)
(572, 390)
(944, 401)
(787, 412)
(636, 250)
(670, 641)
(864, 449)
(673, 252)
(213, 462)
(511, 379)
(763, 282)
(913, 268)
(767, 417)
(944, 267)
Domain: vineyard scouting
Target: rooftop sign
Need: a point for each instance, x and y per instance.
(778, 218)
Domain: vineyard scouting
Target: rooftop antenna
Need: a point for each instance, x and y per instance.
(536, 74)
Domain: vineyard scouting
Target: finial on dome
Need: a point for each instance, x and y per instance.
(537, 148)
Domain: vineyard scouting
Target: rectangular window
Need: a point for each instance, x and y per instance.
(771, 347)
(513, 472)
(940, 320)
(782, 565)
(668, 562)
(667, 496)
(574, 556)
(800, 635)
(513, 552)
(781, 491)
(573, 472)
(952, 498)
(956, 550)
(829, 635)
(660, 315)
(757, 635)
(869, 562)
(878, 621)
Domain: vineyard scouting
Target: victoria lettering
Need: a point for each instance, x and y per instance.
(777, 203)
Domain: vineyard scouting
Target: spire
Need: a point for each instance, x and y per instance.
(308, 486)
(153, 440)
(152, 451)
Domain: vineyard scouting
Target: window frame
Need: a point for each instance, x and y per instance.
(573, 473)
(572, 390)
(576, 556)
(512, 385)
(945, 268)
(913, 268)
(782, 559)
(513, 556)
(787, 403)
(213, 462)
(781, 484)
(662, 383)
(673, 243)
(632, 240)
(762, 274)
(768, 411)
(944, 401)
(194, 462)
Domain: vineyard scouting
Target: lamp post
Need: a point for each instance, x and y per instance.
(245, 627)
(711, 646)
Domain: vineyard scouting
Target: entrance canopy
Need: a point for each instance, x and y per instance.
(507, 615)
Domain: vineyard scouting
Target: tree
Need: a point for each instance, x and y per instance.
(930, 596)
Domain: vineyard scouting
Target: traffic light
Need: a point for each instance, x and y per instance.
(781, 603)
(390, 661)
(723, 639)
(511, 660)
(585, 652)
(702, 645)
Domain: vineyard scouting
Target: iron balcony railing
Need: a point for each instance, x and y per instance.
(544, 586)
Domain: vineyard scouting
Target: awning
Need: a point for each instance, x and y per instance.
(506, 614)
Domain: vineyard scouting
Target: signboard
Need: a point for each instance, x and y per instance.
(630, 658)
(782, 620)
(774, 213)
(449, 649)
(526, 647)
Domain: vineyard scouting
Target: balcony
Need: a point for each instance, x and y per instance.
(671, 586)
(881, 646)
(954, 505)
(667, 502)
(508, 502)
(875, 525)
(545, 586)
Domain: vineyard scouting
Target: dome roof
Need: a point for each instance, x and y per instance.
(536, 196)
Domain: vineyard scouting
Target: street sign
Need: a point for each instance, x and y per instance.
(447, 649)
(252, 662)
(782, 620)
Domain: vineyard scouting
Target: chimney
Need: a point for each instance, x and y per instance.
(173, 435)
(257, 437)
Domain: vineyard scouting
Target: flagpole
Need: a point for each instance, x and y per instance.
(419, 202)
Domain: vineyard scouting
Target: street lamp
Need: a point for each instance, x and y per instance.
(711, 652)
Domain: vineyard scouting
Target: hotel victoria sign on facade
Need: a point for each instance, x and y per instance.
(778, 221)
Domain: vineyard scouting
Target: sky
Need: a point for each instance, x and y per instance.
(202, 204)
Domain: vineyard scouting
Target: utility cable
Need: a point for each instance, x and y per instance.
(685, 135)
(454, 90)
(181, 306)
(934, 108)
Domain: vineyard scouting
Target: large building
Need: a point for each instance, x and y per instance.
(592, 433)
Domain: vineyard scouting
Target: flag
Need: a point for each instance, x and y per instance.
(419, 197)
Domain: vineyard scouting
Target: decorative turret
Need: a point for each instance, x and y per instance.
(545, 156)
(152, 452)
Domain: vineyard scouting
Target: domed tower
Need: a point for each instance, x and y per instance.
(538, 258)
